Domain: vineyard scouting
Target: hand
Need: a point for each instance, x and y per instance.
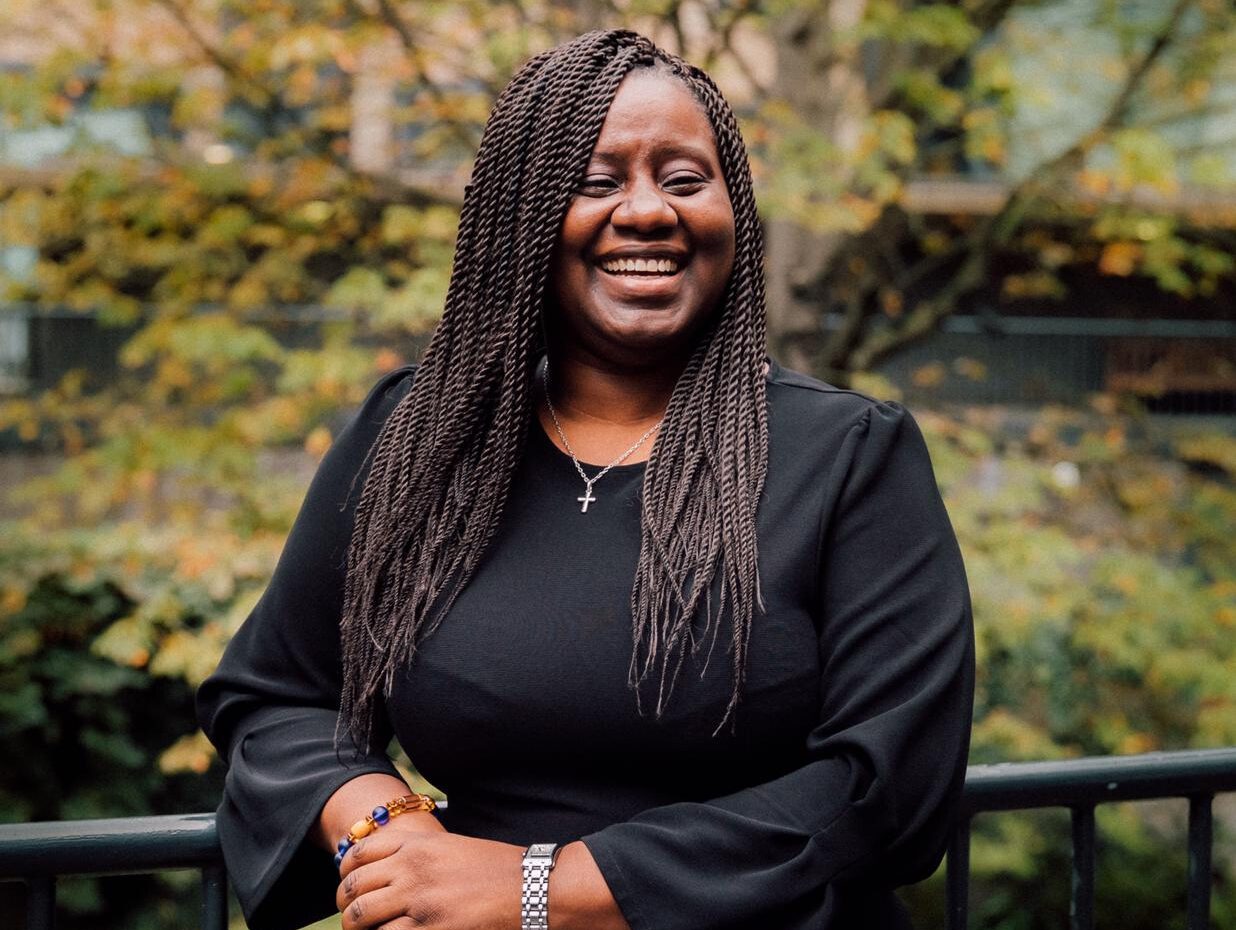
(397, 879)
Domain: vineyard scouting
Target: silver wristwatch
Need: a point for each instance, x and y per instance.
(539, 859)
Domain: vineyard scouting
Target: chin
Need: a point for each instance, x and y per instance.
(650, 343)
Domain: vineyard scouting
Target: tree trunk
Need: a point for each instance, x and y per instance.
(819, 74)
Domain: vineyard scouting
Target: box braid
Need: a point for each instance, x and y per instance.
(441, 468)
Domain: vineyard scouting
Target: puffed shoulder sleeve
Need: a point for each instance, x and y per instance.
(271, 706)
(822, 846)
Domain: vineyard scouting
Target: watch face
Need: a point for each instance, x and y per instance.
(541, 852)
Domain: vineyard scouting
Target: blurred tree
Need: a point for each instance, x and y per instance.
(880, 103)
(297, 137)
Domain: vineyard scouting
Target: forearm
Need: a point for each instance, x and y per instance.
(579, 898)
(355, 799)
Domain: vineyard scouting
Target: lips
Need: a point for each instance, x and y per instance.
(632, 261)
(648, 266)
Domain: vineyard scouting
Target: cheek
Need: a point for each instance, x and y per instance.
(569, 256)
(717, 225)
(564, 260)
(718, 237)
(579, 227)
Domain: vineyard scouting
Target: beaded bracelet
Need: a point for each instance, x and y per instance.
(380, 817)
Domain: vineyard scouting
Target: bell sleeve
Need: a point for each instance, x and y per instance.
(272, 705)
(821, 847)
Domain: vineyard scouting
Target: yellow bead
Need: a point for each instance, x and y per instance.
(361, 828)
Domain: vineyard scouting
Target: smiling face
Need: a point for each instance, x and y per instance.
(647, 244)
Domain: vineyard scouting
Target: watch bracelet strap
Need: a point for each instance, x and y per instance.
(534, 896)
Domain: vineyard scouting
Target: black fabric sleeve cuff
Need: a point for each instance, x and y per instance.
(283, 770)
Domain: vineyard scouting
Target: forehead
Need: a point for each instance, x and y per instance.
(654, 110)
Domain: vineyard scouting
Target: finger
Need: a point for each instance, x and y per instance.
(372, 909)
(361, 880)
(372, 848)
(387, 906)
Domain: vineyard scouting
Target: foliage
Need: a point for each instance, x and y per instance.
(94, 726)
(1100, 557)
(262, 182)
(1102, 565)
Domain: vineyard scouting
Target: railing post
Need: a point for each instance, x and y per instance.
(1201, 830)
(41, 903)
(1081, 908)
(957, 875)
(214, 898)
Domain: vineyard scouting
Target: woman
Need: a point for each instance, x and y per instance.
(616, 582)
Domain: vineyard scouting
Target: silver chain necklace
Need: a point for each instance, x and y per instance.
(588, 482)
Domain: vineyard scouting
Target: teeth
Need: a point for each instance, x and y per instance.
(641, 266)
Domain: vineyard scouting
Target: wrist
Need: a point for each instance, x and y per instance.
(351, 802)
(417, 822)
(538, 863)
(382, 816)
(579, 896)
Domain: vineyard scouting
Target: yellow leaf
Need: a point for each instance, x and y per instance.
(1120, 258)
(318, 441)
(387, 360)
(929, 375)
(12, 601)
(188, 754)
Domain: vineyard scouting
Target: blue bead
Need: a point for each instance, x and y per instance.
(343, 845)
(339, 858)
(381, 816)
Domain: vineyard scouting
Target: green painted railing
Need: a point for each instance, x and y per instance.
(38, 853)
(1082, 784)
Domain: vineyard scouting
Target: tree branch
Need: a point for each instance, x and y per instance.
(269, 102)
(927, 314)
(268, 99)
(389, 16)
(998, 229)
(723, 30)
(1118, 113)
(984, 15)
(723, 45)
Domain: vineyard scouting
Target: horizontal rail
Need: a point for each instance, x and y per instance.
(37, 853)
(108, 847)
(146, 844)
(1098, 780)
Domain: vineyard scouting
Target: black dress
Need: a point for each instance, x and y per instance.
(850, 743)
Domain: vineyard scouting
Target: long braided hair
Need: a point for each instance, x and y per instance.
(443, 462)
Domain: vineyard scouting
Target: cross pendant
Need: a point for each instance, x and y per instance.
(587, 499)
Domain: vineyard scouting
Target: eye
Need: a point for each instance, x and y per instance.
(685, 183)
(596, 185)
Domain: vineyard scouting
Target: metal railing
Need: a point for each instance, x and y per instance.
(1080, 785)
(38, 853)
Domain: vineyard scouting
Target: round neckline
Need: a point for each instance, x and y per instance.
(539, 429)
(774, 370)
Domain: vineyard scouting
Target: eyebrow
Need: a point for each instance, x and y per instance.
(674, 150)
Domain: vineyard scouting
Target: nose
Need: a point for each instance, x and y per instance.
(644, 209)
